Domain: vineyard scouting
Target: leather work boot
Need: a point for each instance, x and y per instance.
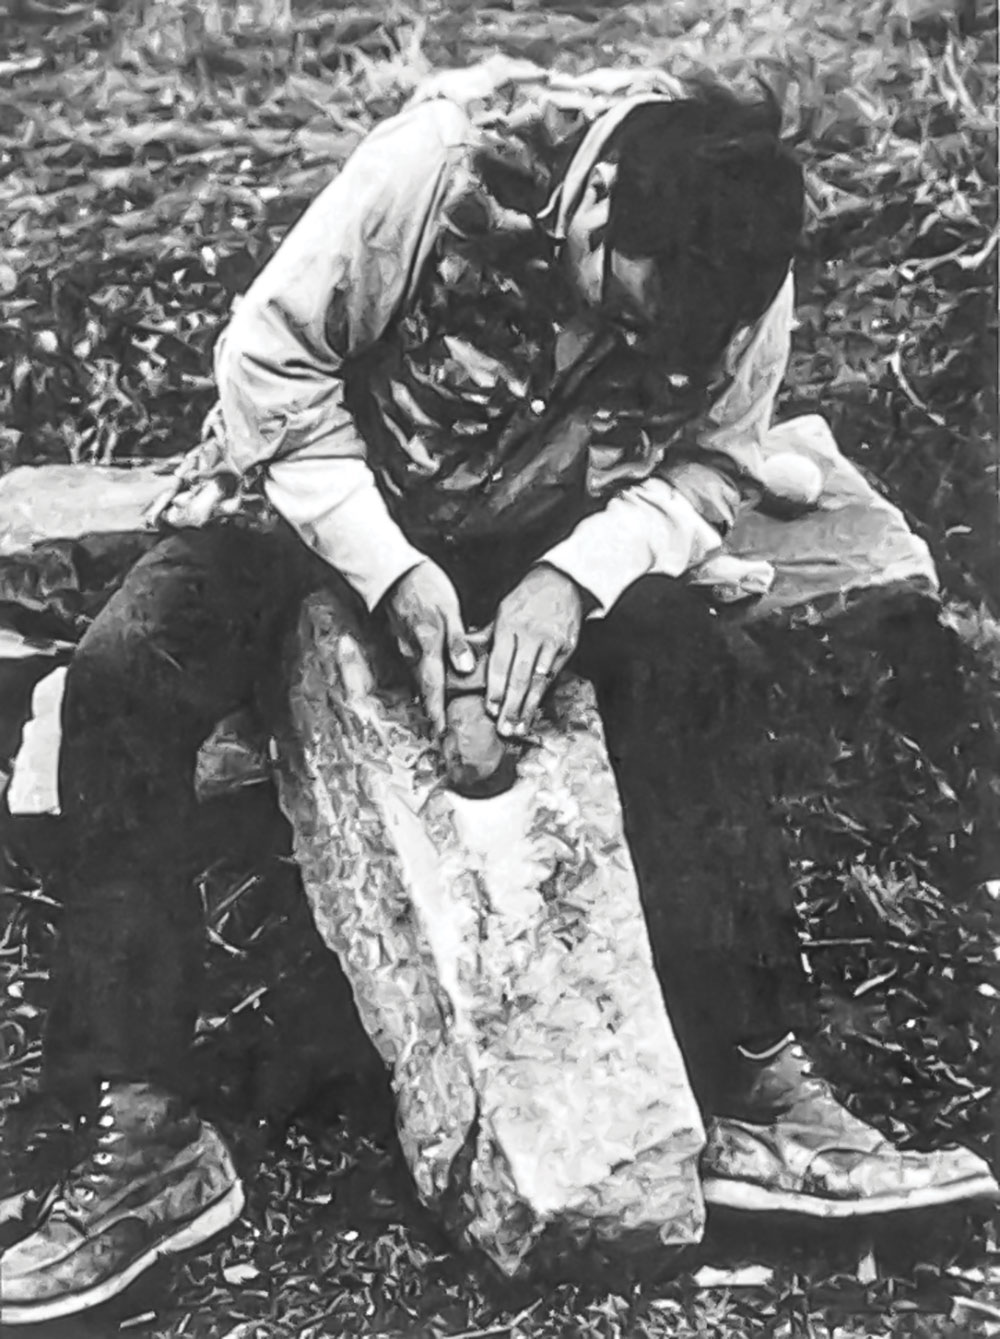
(156, 1182)
(41, 1138)
(787, 1145)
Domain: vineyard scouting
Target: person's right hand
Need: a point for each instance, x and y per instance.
(425, 618)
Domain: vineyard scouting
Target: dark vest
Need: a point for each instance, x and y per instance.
(479, 443)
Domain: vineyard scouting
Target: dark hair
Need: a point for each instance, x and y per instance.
(705, 187)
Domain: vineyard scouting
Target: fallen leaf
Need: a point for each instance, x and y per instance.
(243, 1272)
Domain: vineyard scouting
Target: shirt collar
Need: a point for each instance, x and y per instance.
(563, 201)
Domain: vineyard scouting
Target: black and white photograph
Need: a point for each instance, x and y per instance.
(499, 669)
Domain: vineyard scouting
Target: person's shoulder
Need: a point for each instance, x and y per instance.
(506, 90)
(438, 119)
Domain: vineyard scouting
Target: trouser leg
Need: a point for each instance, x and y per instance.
(194, 633)
(932, 689)
(684, 707)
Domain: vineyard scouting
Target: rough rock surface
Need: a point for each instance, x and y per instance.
(853, 545)
(500, 963)
(66, 501)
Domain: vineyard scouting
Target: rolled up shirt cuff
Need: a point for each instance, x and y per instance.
(650, 529)
(354, 532)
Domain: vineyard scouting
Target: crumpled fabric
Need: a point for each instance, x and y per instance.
(499, 959)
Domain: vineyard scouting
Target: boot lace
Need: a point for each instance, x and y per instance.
(81, 1187)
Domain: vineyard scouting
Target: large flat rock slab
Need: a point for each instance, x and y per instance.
(854, 545)
(67, 501)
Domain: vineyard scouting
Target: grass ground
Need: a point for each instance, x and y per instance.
(146, 171)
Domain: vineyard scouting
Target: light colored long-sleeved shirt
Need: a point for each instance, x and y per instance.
(352, 264)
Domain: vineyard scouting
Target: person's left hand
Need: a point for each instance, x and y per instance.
(536, 631)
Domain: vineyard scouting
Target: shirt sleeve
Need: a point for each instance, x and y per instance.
(328, 293)
(649, 529)
(337, 509)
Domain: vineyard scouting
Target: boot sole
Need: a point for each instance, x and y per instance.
(216, 1218)
(749, 1198)
(13, 1208)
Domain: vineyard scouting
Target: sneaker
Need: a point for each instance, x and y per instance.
(157, 1181)
(787, 1145)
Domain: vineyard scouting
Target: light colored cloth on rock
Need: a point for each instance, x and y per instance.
(34, 784)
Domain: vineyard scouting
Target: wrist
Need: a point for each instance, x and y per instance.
(587, 598)
(392, 590)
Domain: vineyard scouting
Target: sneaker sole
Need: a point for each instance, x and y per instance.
(743, 1195)
(216, 1218)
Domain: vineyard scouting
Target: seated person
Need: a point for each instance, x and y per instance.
(511, 377)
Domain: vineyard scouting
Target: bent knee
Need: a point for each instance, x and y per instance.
(109, 671)
(659, 612)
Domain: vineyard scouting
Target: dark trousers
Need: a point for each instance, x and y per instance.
(195, 632)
